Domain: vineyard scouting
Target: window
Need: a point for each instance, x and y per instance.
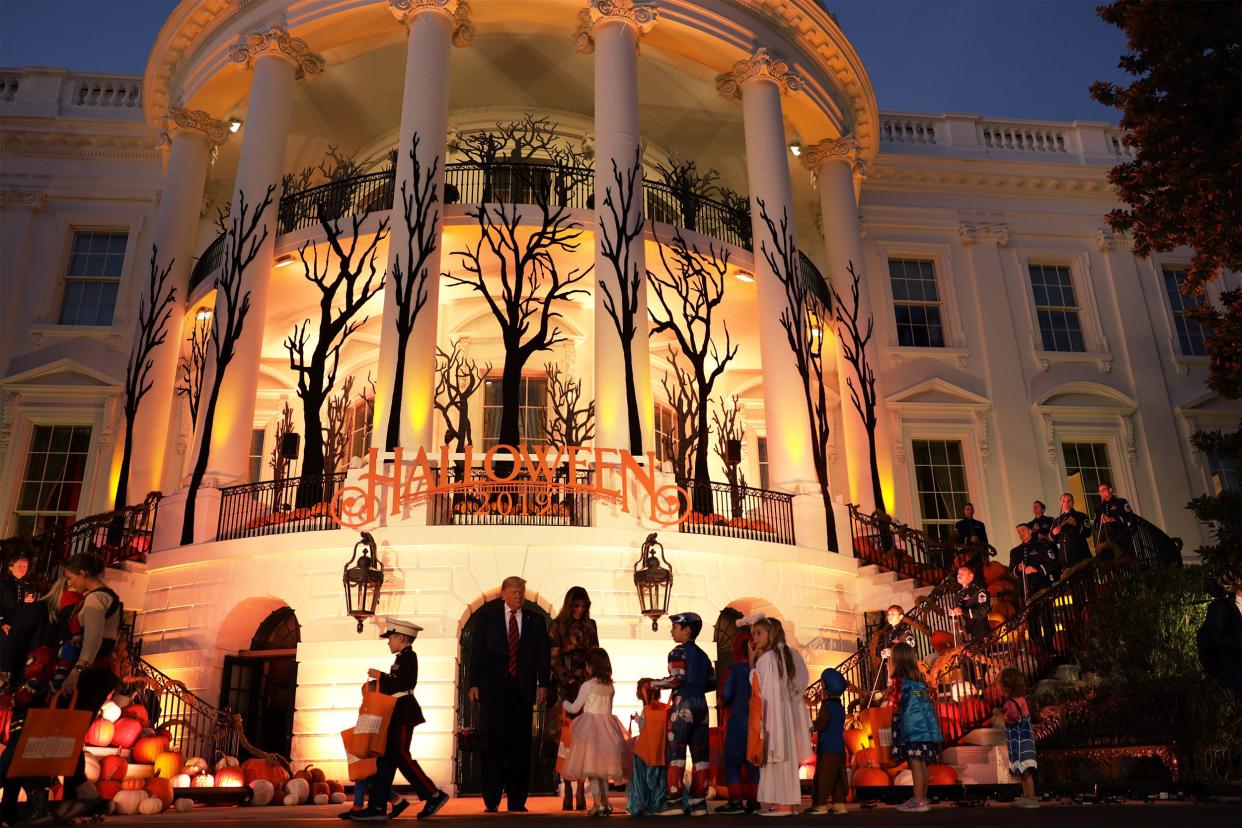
(940, 477)
(52, 484)
(1086, 467)
(93, 277)
(532, 410)
(761, 449)
(1056, 308)
(1190, 334)
(665, 433)
(359, 429)
(916, 303)
(256, 454)
(1223, 474)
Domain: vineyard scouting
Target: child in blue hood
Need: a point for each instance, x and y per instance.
(830, 747)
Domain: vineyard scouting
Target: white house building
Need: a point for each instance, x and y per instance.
(1018, 348)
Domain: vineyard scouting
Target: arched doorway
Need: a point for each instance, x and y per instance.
(722, 635)
(259, 682)
(468, 766)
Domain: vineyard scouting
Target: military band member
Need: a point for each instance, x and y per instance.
(1114, 515)
(1041, 524)
(969, 530)
(973, 604)
(1033, 562)
(1071, 530)
(899, 630)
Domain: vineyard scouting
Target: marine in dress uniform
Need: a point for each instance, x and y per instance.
(1071, 531)
(399, 682)
(691, 677)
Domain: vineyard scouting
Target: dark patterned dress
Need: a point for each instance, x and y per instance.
(568, 642)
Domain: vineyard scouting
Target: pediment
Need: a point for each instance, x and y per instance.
(1086, 395)
(1210, 404)
(61, 376)
(940, 393)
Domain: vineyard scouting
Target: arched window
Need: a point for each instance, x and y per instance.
(279, 631)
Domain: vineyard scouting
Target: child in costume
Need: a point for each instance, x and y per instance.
(691, 677)
(830, 748)
(1021, 737)
(916, 733)
(741, 776)
(598, 749)
(645, 794)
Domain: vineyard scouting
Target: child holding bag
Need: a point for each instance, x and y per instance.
(645, 793)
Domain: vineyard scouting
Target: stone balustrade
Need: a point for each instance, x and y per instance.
(967, 135)
(47, 92)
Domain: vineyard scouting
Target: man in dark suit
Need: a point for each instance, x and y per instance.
(509, 672)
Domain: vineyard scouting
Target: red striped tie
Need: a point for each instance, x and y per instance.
(513, 644)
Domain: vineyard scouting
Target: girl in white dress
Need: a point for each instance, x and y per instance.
(786, 723)
(598, 749)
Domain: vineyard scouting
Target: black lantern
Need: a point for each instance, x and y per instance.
(653, 578)
(364, 575)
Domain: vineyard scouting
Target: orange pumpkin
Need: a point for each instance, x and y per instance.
(318, 788)
(941, 775)
(335, 787)
(230, 778)
(168, 764)
(855, 739)
(253, 769)
(135, 784)
(125, 732)
(893, 770)
(100, 733)
(993, 572)
(137, 711)
(871, 778)
(113, 768)
(160, 788)
(148, 748)
(108, 788)
(941, 641)
(316, 775)
(865, 758)
(204, 780)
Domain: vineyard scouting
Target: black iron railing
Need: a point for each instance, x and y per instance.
(520, 183)
(116, 537)
(208, 263)
(197, 728)
(737, 512)
(696, 212)
(815, 282)
(895, 547)
(278, 507)
(337, 199)
(519, 502)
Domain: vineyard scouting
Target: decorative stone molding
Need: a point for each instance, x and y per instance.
(1050, 439)
(1127, 431)
(636, 13)
(972, 233)
(36, 339)
(8, 418)
(899, 437)
(760, 65)
(13, 197)
(845, 148)
(456, 10)
(982, 437)
(107, 429)
(183, 427)
(194, 122)
(277, 41)
(1106, 239)
(584, 34)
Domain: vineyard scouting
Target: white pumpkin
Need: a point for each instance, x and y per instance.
(92, 766)
(337, 798)
(262, 792)
(110, 711)
(127, 802)
(227, 762)
(150, 806)
(291, 799)
(181, 780)
(195, 765)
(320, 799)
(299, 788)
(184, 805)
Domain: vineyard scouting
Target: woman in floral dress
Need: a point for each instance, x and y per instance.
(572, 634)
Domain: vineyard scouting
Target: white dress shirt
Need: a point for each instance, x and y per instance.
(513, 614)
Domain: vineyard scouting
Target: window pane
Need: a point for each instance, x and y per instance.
(51, 487)
(940, 477)
(92, 277)
(1086, 467)
(1056, 308)
(916, 303)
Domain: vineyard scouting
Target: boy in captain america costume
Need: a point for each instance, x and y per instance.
(691, 677)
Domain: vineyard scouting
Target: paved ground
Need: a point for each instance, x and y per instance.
(465, 813)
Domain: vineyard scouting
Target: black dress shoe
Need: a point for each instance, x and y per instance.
(518, 809)
(433, 805)
(490, 809)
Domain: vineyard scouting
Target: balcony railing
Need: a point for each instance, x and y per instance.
(895, 547)
(520, 502)
(278, 507)
(738, 512)
(695, 212)
(336, 199)
(526, 183)
(208, 263)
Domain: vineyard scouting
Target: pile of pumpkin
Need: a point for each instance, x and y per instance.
(169, 779)
(866, 758)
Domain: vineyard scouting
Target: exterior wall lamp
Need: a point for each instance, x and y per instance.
(363, 581)
(653, 578)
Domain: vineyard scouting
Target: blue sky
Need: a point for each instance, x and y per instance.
(1012, 58)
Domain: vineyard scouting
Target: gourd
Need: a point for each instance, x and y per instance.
(182, 780)
(137, 711)
(195, 765)
(92, 767)
(204, 780)
(262, 792)
(337, 798)
(110, 711)
(108, 789)
(184, 805)
(226, 761)
(299, 788)
(230, 778)
(100, 733)
(291, 799)
(320, 799)
(941, 775)
(151, 806)
(148, 748)
(125, 732)
(168, 764)
(161, 789)
(870, 777)
(127, 802)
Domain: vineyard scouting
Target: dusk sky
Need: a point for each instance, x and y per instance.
(1006, 58)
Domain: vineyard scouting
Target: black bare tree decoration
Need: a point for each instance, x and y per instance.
(232, 305)
(154, 310)
(457, 379)
(621, 228)
(854, 341)
(347, 278)
(682, 398)
(192, 365)
(277, 461)
(689, 294)
(727, 418)
(572, 423)
(419, 197)
(690, 186)
(530, 286)
(336, 428)
(803, 318)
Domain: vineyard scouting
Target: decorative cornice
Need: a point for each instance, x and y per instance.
(8, 418)
(13, 197)
(277, 41)
(759, 65)
(845, 148)
(458, 11)
(195, 122)
(636, 13)
(77, 144)
(1106, 238)
(972, 233)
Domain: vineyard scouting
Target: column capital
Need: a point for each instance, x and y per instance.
(458, 11)
(192, 122)
(1106, 238)
(971, 233)
(760, 66)
(277, 41)
(844, 149)
(640, 15)
(15, 197)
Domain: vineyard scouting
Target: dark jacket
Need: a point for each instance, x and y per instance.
(1072, 537)
(489, 654)
(402, 677)
(1220, 643)
(1037, 554)
(969, 527)
(1041, 527)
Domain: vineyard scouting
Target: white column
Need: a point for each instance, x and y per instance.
(190, 136)
(616, 29)
(836, 164)
(278, 61)
(760, 82)
(433, 27)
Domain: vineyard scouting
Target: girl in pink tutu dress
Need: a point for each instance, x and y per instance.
(598, 749)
